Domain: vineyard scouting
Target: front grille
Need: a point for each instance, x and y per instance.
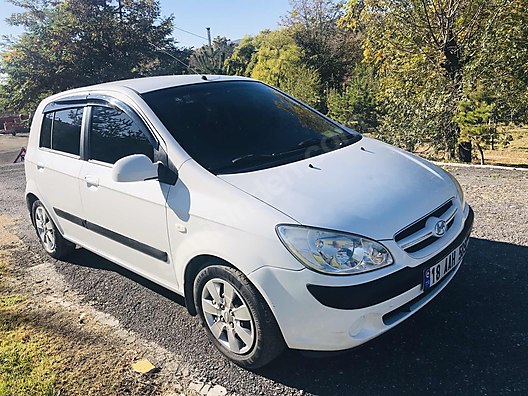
(419, 235)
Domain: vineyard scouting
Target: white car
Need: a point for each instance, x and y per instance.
(279, 226)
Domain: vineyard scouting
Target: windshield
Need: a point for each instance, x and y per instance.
(239, 126)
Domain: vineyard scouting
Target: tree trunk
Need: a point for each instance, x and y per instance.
(480, 151)
(452, 65)
(453, 62)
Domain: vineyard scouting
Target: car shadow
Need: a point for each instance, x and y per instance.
(471, 339)
(85, 258)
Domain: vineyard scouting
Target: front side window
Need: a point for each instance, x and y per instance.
(61, 130)
(115, 135)
(237, 126)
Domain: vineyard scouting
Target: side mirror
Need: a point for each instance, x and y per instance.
(139, 167)
(136, 167)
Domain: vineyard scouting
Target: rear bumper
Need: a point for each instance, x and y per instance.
(318, 316)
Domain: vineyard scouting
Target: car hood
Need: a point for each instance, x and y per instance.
(368, 188)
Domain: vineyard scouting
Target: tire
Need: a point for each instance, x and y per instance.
(49, 236)
(236, 318)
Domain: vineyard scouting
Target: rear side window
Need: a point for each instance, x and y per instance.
(115, 135)
(45, 132)
(61, 130)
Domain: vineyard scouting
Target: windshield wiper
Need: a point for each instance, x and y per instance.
(302, 145)
(246, 158)
(249, 157)
(309, 142)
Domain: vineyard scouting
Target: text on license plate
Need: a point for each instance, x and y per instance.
(437, 272)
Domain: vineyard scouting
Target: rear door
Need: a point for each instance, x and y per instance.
(126, 221)
(58, 164)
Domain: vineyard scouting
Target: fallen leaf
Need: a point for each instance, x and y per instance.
(143, 366)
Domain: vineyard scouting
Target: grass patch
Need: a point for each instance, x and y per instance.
(10, 301)
(27, 365)
(515, 153)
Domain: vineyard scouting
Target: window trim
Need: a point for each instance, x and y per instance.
(53, 110)
(63, 153)
(111, 102)
(65, 103)
(156, 147)
(87, 102)
(86, 122)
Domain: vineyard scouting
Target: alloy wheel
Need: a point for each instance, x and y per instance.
(228, 316)
(45, 229)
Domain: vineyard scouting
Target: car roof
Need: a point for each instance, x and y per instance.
(148, 84)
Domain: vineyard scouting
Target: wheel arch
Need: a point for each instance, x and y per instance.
(30, 200)
(193, 267)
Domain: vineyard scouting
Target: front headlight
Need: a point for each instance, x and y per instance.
(333, 253)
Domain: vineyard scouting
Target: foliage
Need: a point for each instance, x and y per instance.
(211, 59)
(474, 116)
(326, 48)
(501, 64)
(170, 60)
(243, 59)
(421, 118)
(304, 85)
(278, 63)
(74, 43)
(421, 49)
(356, 106)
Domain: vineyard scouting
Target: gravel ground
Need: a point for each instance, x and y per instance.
(471, 340)
(10, 147)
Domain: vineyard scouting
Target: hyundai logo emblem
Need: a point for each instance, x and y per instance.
(440, 228)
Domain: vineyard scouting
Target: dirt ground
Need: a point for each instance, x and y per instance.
(93, 354)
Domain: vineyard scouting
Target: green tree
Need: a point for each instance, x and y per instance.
(74, 43)
(211, 59)
(501, 64)
(243, 59)
(278, 63)
(326, 47)
(422, 49)
(474, 115)
(356, 105)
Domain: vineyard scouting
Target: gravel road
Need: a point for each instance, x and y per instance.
(471, 340)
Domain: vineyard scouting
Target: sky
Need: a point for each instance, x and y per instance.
(230, 18)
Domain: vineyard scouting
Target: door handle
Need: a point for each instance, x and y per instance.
(40, 166)
(91, 180)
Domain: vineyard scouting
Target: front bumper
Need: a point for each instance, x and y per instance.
(321, 317)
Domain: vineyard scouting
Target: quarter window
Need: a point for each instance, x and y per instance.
(61, 130)
(115, 135)
(45, 132)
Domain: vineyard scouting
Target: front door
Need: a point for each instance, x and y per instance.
(126, 221)
(57, 164)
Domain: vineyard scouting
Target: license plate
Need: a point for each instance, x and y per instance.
(437, 272)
